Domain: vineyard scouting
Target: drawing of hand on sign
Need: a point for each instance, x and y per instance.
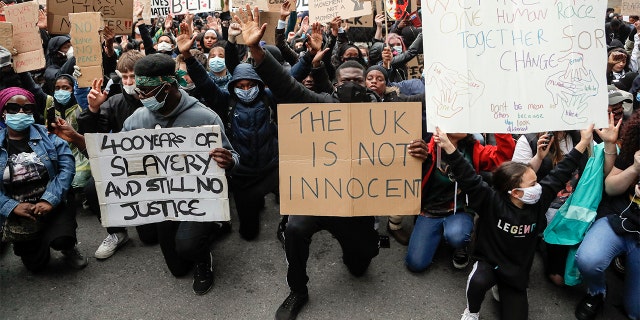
(572, 87)
(447, 80)
(446, 105)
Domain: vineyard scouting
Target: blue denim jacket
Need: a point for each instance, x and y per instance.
(54, 154)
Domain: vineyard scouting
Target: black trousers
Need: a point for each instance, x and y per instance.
(248, 194)
(356, 235)
(184, 243)
(58, 234)
(514, 303)
(148, 234)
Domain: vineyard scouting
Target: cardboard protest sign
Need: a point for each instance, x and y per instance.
(117, 14)
(6, 36)
(87, 47)
(271, 19)
(26, 37)
(516, 66)
(151, 175)
(349, 159)
(324, 11)
(415, 67)
(630, 7)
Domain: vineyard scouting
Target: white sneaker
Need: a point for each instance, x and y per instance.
(110, 244)
(495, 293)
(467, 315)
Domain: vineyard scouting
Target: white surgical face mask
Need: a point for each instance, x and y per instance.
(164, 47)
(531, 195)
(130, 90)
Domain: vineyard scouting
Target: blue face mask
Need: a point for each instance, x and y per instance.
(247, 96)
(216, 64)
(19, 121)
(638, 96)
(62, 96)
(152, 103)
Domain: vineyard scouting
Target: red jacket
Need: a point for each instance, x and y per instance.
(485, 158)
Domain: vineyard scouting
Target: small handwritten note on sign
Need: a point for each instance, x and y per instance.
(26, 37)
(514, 66)
(349, 159)
(324, 11)
(85, 38)
(151, 175)
(117, 14)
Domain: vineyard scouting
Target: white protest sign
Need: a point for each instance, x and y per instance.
(302, 5)
(324, 11)
(193, 6)
(26, 37)
(514, 66)
(159, 8)
(151, 175)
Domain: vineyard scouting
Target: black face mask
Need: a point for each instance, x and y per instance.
(350, 91)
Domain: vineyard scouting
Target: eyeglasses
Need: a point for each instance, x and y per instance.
(14, 108)
(148, 93)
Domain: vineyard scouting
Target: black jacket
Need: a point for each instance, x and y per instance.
(507, 235)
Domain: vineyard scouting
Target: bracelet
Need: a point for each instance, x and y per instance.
(610, 153)
(140, 19)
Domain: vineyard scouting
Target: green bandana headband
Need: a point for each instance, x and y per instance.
(144, 81)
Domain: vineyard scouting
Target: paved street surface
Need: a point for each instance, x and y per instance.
(250, 284)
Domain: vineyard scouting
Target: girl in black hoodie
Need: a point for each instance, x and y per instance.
(512, 215)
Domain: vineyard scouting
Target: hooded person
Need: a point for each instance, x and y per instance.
(248, 110)
(183, 243)
(60, 60)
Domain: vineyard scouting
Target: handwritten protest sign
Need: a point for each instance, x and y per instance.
(514, 66)
(349, 159)
(160, 8)
(630, 7)
(415, 67)
(6, 36)
(152, 175)
(117, 14)
(164, 7)
(26, 37)
(324, 11)
(85, 38)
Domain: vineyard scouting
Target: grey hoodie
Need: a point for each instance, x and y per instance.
(188, 113)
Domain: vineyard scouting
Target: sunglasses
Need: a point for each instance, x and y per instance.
(148, 93)
(14, 108)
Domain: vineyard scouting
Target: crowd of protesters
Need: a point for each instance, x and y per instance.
(495, 199)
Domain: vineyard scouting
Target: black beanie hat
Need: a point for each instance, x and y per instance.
(378, 68)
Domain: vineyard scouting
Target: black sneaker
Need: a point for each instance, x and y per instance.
(289, 309)
(203, 277)
(589, 307)
(460, 258)
(74, 258)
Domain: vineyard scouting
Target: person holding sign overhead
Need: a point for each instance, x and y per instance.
(357, 236)
(182, 243)
(512, 214)
(37, 171)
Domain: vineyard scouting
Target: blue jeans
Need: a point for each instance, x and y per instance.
(600, 245)
(427, 233)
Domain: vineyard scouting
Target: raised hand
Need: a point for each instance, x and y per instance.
(285, 10)
(610, 134)
(317, 59)
(252, 30)
(42, 18)
(441, 139)
(315, 40)
(137, 9)
(168, 22)
(96, 96)
(185, 39)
